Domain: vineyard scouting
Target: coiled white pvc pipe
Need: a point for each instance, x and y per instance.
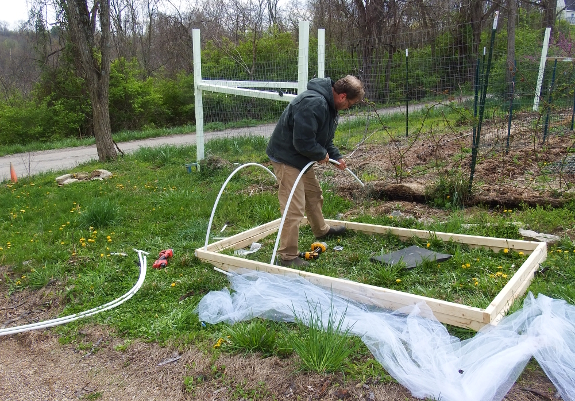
(98, 309)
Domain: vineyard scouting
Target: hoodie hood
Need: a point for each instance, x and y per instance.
(324, 87)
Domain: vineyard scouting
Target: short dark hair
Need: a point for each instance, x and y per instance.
(351, 86)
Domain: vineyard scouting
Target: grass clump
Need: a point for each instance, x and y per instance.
(99, 213)
(256, 336)
(322, 346)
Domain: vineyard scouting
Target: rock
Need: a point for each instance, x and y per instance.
(69, 181)
(549, 238)
(101, 174)
(98, 174)
(63, 178)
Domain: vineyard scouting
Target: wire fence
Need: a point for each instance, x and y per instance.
(426, 84)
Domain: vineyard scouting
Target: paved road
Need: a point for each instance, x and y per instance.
(28, 164)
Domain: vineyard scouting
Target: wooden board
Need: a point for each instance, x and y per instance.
(446, 312)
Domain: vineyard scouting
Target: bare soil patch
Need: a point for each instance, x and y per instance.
(527, 172)
(35, 366)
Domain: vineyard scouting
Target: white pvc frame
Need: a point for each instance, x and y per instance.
(241, 87)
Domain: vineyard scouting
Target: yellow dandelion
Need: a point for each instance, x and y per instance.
(428, 245)
(506, 250)
(467, 265)
(398, 280)
(173, 284)
(520, 253)
(101, 255)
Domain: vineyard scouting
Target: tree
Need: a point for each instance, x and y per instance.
(93, 51)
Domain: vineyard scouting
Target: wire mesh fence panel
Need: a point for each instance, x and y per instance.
(432, 96)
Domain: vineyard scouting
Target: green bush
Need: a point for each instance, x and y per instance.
(23, 121)
(134, 104)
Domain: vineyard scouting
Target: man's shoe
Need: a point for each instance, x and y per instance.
(338, 230)
(297, 262)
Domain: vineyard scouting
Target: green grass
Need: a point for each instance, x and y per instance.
(472, 276)
(71, 240)
(322, 341)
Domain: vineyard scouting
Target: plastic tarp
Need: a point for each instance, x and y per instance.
(417, 351)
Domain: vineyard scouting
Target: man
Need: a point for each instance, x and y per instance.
(305, 133)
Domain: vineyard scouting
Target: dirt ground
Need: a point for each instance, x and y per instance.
(35, 366)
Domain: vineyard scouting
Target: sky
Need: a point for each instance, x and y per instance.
(13, 12)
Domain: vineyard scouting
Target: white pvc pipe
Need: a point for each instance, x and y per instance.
(349, 171)
(321, 53)
(222, 190)
(303, 56)
(302, 172)
(98, 309)
(541, 68)
(284, 97)
(289, 201)
(198, 102)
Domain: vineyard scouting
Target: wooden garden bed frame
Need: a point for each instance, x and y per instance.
(446, 312)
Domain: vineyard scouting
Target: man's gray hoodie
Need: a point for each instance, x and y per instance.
(306, 128)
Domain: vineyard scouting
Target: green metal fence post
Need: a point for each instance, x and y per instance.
(475, 147)
(550, 99)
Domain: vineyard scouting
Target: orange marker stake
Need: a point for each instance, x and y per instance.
(13, 177)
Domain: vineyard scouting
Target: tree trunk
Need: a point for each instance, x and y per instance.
(550, 13)
(95, 61)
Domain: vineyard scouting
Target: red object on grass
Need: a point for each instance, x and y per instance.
(162, 261)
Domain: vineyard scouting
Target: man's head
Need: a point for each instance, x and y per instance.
(347, 91)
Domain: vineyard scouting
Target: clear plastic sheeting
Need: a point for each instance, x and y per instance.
(418, 352)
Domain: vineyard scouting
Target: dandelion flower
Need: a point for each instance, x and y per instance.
(506, 250)
(173, 284)
(398, 280)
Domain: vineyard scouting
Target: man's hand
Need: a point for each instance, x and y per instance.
(325, 160)
(341, 165)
